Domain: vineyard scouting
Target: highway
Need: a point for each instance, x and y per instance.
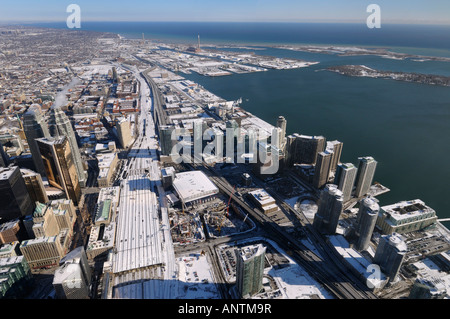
(326, 269)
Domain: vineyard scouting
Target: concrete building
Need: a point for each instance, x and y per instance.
(329, 210)
(345, 179)
(15, 201)
(335, 147)
(390, 253)
(249, 270)
(364, 177)
(366, 220)
(322, 169)
(124, 132)
(194, 187)
(282, 124)
(165, 139)
(15, 277)
(263, 201)
(60, 166)
(73, 277)
(35, 126)
(303, 149)
(405, 216)
(60, 125)
(35, 186)
(43, 251)
(167, 176)
(11, 231)
(107, 164)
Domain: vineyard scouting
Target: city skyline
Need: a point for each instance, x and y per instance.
(325, 11)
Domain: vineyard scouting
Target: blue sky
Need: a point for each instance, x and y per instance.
(392, 11)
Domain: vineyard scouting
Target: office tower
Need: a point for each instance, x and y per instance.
(366, 220)
(43, 251)
(198, 140)
(15, 278)
(73, 278)
(336, 148)
(4, 160)
(322, 169)
(44, 221)
(282, 124)
(15, 201)
(165, 138)
(124, 132)
(35, 126)
(330, 208)
(364, 177)
(345, 179)
(59, 166)
(303, 149)
(35, 186)
(59, 125)
(390, 253)
(250, 270)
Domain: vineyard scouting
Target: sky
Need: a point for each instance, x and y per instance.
(346, 11)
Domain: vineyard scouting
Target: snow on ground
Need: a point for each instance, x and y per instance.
(195, 278)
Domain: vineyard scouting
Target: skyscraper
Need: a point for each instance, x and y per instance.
(59, 125)
(336, 148)
(35, 186)
(15, 201)
(35, 126)
(250, 269)
(165, 138)
(364, 178)
(345, 179)
(282, 123)
(330, 208)
(390, 253)
(322, 169)
(303, 149)
(4, 160)
(366, 220)
(59, 165)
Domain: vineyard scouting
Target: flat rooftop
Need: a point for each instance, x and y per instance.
(407, 209)
(193, 185)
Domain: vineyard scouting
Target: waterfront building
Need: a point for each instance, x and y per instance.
(390, 254)
(364, 177)
(15, 201)
(345, 179)
(282, 124)
(335, 147)
(59, 165)
(249, 270)
(304, 149)
(329, 210)
(405, 216)
(322, 169)
(366, 220)
(35, 126)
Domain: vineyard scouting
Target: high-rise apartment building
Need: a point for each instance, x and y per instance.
(364, 177)
(336, 148)
(329, 210)
(345, 179)
(366, 220)
(250, 270)
(390, 254)
(322, 169)
(304, 149)
(59, 165)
